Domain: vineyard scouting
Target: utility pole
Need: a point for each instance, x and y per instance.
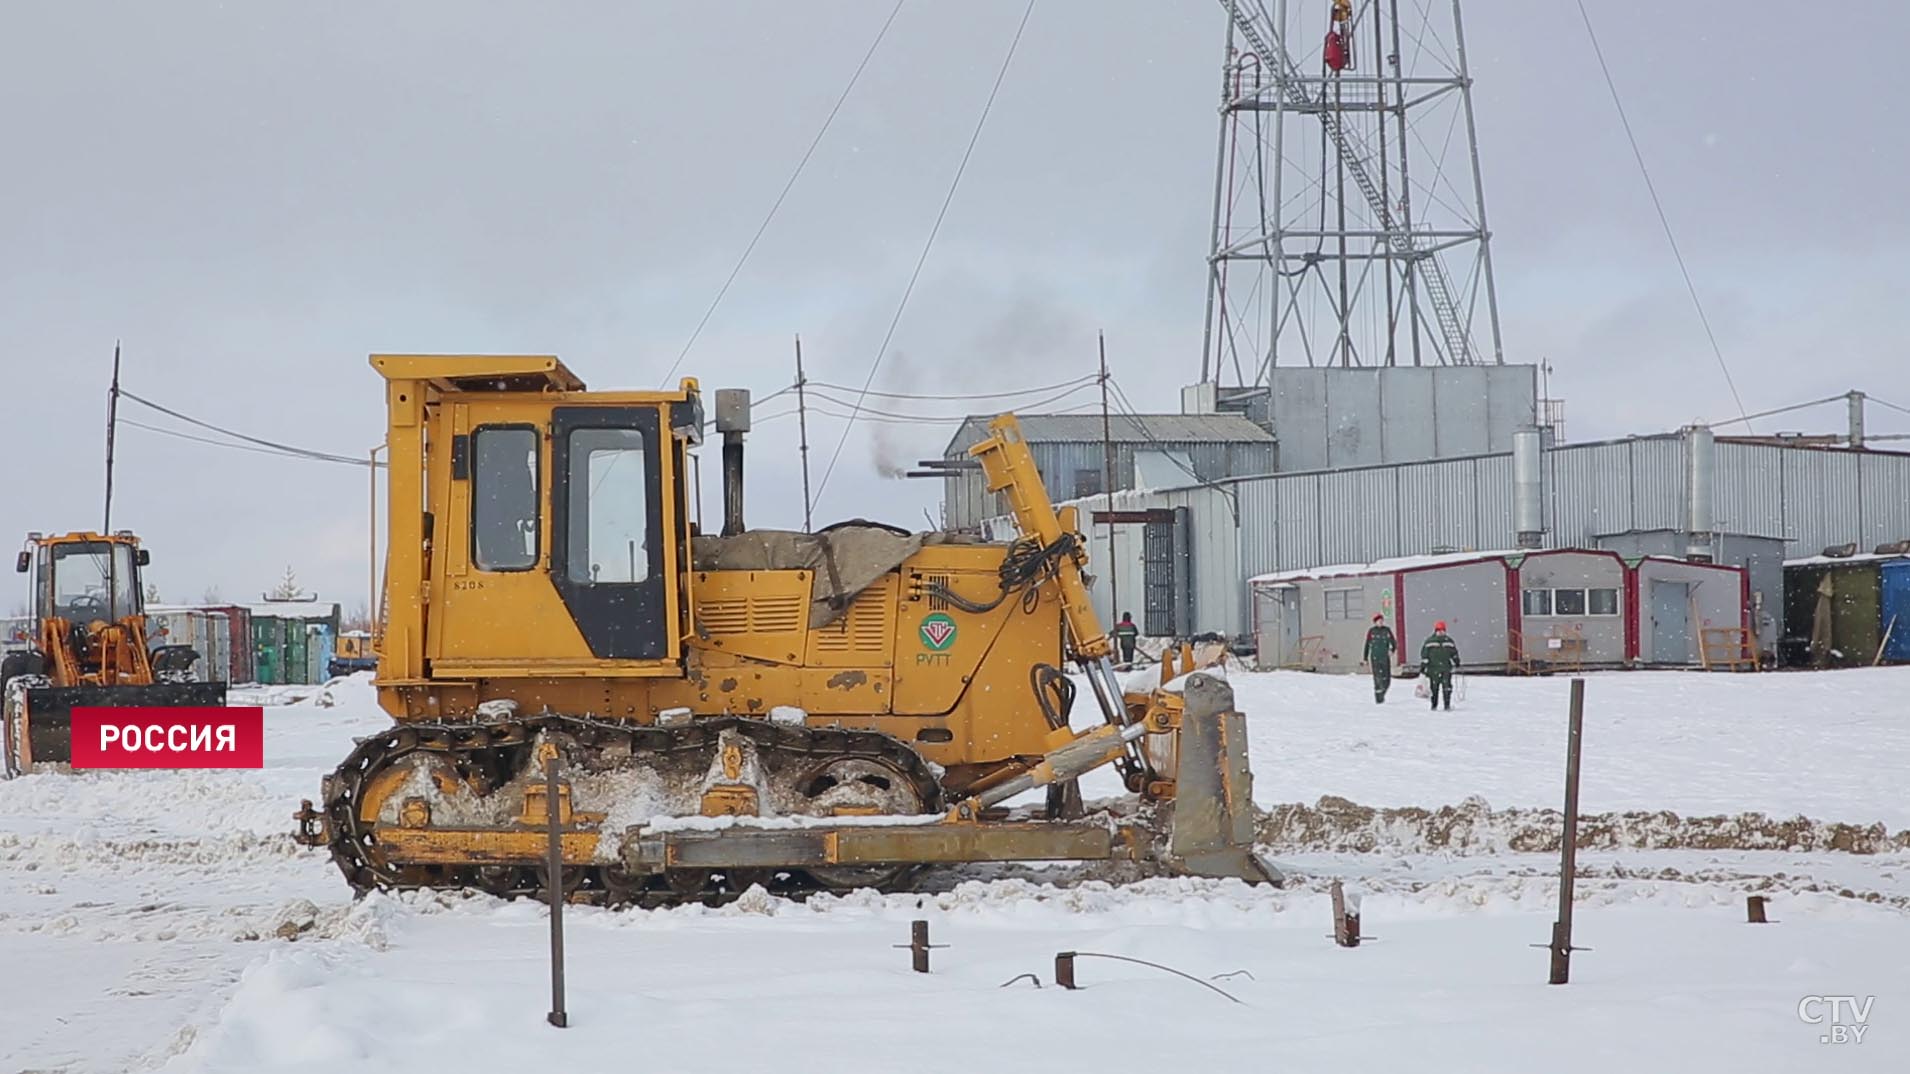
(371, 533)
(1855, 402)
(802, 430)
(1107, 479)
(106, 525)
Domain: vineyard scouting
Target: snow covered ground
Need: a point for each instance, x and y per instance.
(131, 938)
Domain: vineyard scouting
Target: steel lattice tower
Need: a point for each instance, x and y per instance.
(1349, 213)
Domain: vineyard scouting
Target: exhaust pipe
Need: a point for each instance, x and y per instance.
(732, 420)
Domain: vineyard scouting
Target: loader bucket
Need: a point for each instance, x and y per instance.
(1213, 824)
(43, 730)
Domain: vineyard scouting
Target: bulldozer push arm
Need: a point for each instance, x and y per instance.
(1009, 468)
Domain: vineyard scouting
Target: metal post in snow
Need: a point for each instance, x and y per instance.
(554, 880)
(1568, 849)
(106, 524)
(1107, 478)
(802, 432)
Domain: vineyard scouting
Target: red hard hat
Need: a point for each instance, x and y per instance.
(1378, 618)
(1441, 625)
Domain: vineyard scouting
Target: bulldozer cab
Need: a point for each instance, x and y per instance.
(536, 530)
(84, 577)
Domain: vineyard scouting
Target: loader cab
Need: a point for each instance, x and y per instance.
(536, 530)
(84, 577)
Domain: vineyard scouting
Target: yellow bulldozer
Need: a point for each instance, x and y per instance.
(803, 711)
(88, 646)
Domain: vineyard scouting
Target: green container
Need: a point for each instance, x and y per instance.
(294, 667)
(268, 649)
(1856, 606)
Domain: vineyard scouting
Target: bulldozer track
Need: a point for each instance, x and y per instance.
(501, 748)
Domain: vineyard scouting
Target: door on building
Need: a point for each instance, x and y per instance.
(1278, 628)
(1670, 622)
(1157, 579)
(1895, 618)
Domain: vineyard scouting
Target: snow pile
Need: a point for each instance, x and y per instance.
(1336, 824)
(356, 690)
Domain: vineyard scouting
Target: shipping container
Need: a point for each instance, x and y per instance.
(1896, 611)
(318, 652)
(197, 629)
(1836, 609)
(239, 643)
(280, 648)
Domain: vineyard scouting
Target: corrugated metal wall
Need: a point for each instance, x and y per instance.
(966, 503)
(1329, 417)
(1808, 497)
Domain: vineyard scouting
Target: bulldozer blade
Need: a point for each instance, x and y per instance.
(1213, 821)
(48, 734)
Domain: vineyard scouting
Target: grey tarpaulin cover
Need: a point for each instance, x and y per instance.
(846, 558)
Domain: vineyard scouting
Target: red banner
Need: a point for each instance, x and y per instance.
(184, 737)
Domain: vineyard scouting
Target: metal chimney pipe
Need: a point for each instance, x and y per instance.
(1700, 491)
(1528, 486)
(732, 420)
(1855, 401)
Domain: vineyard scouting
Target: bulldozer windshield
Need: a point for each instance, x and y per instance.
(83, 581)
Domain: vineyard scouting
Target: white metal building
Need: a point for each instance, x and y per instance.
(1217, 535)
(1145, 451)
(1561, 607)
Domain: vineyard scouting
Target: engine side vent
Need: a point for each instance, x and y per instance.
(724, 616)
(864, 628)
(775, 615)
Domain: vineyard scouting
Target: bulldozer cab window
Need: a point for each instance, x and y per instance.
(608, 526)
(504, 496)
(89, 580)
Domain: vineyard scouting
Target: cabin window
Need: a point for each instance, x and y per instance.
(1573, 603)
(609, 506)
(504, 498)
(1345, 604)
(1568, 602)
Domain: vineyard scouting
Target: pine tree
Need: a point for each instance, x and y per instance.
(288, 586)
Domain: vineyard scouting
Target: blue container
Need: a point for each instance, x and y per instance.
(1896, 609)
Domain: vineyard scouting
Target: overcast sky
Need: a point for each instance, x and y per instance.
(255, 196)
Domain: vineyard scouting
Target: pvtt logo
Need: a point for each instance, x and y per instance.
(1844, 1019)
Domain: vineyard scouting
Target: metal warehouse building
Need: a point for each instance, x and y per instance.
(1149, 451)
(1180, 558)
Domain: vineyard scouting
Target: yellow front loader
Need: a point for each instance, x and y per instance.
(89, 647)
(801, 711)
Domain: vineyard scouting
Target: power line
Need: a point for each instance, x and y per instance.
(320, 456)
(1893, 406)
(929, 244)
(787, 186)
(274, 452)
(1663, 220)
(1032, 405)
(1088, 379)
(1141, 426)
